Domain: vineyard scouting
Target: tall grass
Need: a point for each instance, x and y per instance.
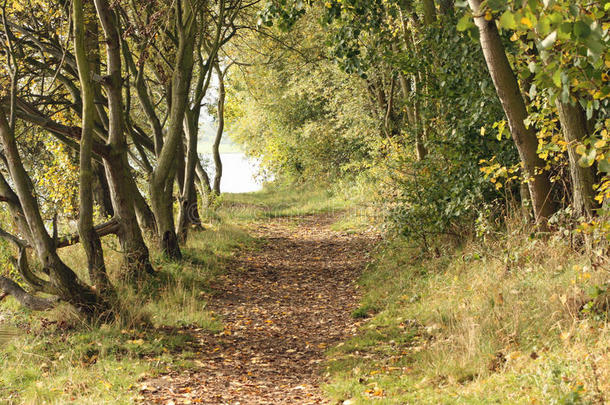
(482, 322)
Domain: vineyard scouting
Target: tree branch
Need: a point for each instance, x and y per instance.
(9, 287)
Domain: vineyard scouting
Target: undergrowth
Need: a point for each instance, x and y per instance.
(54, 358)
(499, 321)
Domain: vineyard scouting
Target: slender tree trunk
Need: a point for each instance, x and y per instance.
(8, 195)
(574, 128)
(417, 120)
(513, 104)
(220, 129)
(161, 184)
(188, 212)
(135, 251)
(144, 215)
(429, 12)
(204, 180)
(101, 191)
(90, 240)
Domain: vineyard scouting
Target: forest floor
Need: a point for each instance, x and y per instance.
(289, 297)
(282, 305)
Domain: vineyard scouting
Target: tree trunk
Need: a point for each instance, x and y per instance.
(220, 130)
(137, 261)
(8, 195)
(162, 205)
(63, 281)
(574, 128)
(101, 191)
(24, 298)
(429, 12)
(144, 215)
(90, 240)
(417, 121)
(204, 180)
(188, 213)
(135, 252)
(514, 107)
(161, 183)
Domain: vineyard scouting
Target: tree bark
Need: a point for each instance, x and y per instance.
(14, 206)
(204, 180)
(89, 238)
(188, 213)
(574, 128)
(415, 108)
(161, 184)
(101, 191)
(514, 107)
(220, 130)
(24, 298)
(429, 12)
(136, 255)
(63, 281)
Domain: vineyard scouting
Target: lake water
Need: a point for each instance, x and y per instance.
(239, 174)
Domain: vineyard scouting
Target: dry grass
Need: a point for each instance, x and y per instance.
(494, 321)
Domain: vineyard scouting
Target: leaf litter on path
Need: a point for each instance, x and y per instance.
(282, 306)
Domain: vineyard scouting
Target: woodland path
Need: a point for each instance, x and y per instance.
(282, 305)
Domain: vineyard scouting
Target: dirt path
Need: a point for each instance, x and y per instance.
(282, 306)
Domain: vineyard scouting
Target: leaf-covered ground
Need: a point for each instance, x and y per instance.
(282, 306)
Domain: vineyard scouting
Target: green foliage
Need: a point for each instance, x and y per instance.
(562, 53)
(304, 119)
(426, 202)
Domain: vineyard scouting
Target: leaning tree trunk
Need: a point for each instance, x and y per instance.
(161, 182)
(514, 107)
(188, 213)
(574, 128)
(101, 191)
(63, 282)
(90, 240)
(204, 180)
(137, 260)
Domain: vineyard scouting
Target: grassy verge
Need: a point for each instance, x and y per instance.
(498, 322)
(53, 358)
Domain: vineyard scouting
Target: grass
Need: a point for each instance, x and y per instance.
(55, 359)
(482, 322)
(348, 204)
(494, 322)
